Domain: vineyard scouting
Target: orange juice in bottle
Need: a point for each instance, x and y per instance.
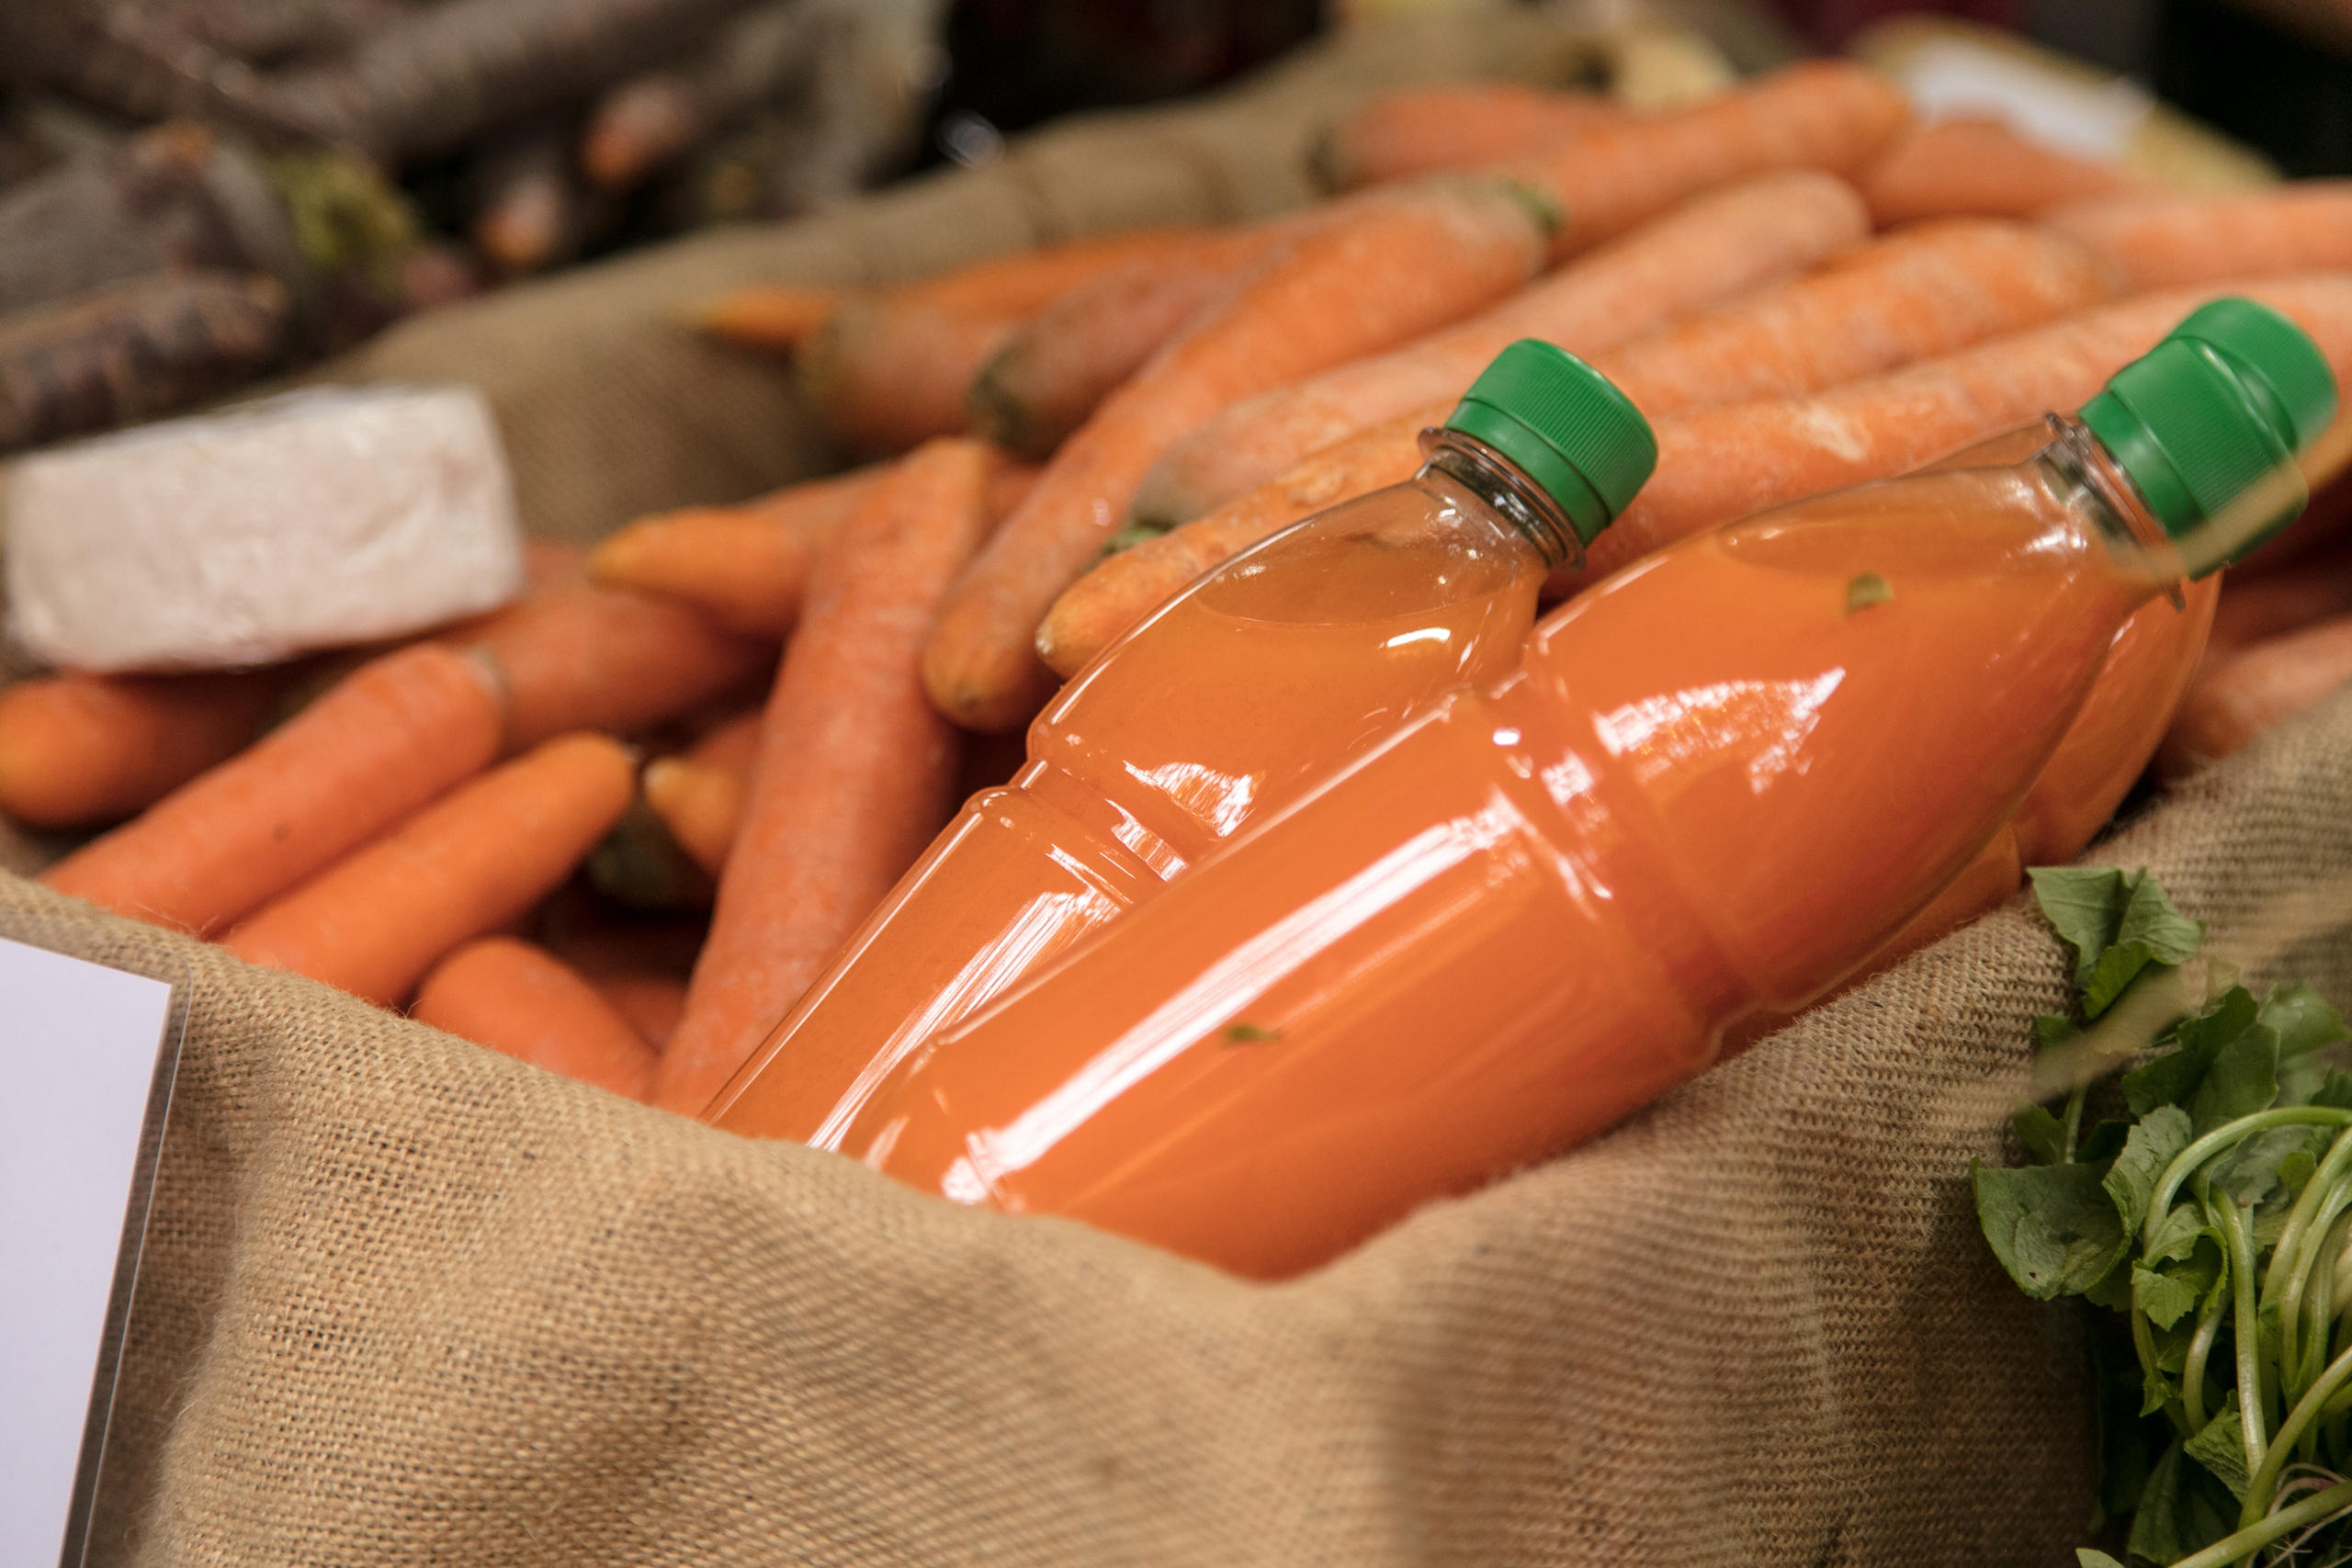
(1715, 784)
(1227, 702)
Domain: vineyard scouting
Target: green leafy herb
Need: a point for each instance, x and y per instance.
(2052, 1226)
(2116, 922)
(1250, 1035)
(2238, 1146)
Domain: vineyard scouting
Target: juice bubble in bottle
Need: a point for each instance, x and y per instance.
(1716, 783)
(1229, 700)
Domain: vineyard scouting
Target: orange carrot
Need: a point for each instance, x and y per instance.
(2255, 609)
(2261, 686)
(853, 772)
(1386, 267)
(79, 749)
(520, 998)
(1122, 588)
(782, 317)
(652, 1003)
(1415, 130)
(742, 566)
(885, 374)
(1935, 288)
(2165, 238)
(1714, 464)
(375, 921)
(731, 744)
(1053, 371)
(769, 316)
(580, 656)
(1979, 166)
(1814, 115)
(701, 805)
(380, 743)
(1708, 249)
(1009, 486)
(1025, 282)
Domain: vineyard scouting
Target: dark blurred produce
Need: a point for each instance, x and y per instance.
(2276, 72)
(1015, 62)
(135, 349)
(368, 158)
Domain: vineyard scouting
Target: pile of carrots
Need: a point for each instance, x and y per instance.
(749, 720)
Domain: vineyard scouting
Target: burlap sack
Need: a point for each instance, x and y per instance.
(407, 1301)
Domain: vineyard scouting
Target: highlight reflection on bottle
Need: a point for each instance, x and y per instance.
(1715, 784)
(1227, 702)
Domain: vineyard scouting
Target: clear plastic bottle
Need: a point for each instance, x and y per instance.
(1226, 703)
(1715, 784)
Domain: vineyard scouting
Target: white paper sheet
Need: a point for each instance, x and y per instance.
(78, 1047)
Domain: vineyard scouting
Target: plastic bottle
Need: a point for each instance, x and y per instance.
(1716, 782)
(1229, 700)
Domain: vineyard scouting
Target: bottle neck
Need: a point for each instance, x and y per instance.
(1507, 490)
(2078, 468)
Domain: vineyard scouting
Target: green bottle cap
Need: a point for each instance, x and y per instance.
(2209, 420)
(1566, 427)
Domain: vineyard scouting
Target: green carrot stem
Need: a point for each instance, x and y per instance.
(2222, 1137)
(2286, 1521)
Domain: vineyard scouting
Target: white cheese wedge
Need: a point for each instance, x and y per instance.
(319, 519)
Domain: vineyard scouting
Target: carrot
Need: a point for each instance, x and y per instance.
(1025, 282)
(376, 920)
(580, 656)
(1009, 486)
(743, 566)
(1814, 115)
(1057, 368)
(380, 743)
(2255, 609)
(698, 794)
(520, 998)
(1122, 587)
(652, 1003)
(1415, 130)
(1714, 464)
(731, 744)
(886, 374)
(701, 805)
(1706, 250)
(1979, 166)
(853, 771)
(1386, 267)
(1020, 283)
(1932, 289)
(766, 315)
(2165, 238)
(79, 749)
(2255, 689)
(530, 208)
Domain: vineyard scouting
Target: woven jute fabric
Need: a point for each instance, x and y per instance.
(407, 1301)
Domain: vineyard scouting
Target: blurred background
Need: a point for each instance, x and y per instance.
(198, 194)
